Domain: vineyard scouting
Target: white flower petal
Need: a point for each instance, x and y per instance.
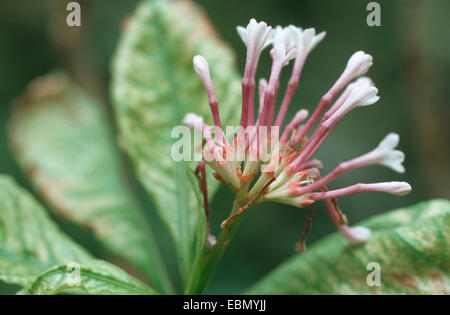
(387, 156)
(317, 39)
(256, 36)
(242, 33)
(306, 40)
(280, 54)
(390, 141)
(363, 93)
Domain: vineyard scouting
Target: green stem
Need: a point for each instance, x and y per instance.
(216, 253)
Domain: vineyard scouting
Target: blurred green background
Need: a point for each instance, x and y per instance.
(411, 68)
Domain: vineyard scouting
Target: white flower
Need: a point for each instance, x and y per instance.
(256, 36)
(364, 80)
(358, 64)
(285, 173)
(284, 44)
(296, 41)
(281, 55)
(363, 93)
(286, 36)
(306, 40)
(344, 96)
(385, 154)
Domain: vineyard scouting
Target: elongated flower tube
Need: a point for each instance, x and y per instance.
(344, 96)
(384, 154)
(358, 64)
(298, 118)
(264, 162)
(305, 41)
(393, 188)
(256, 36)
(202, 68)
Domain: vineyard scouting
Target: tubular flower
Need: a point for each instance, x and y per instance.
(260, 162)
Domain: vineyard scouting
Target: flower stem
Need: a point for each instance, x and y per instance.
(211, 261)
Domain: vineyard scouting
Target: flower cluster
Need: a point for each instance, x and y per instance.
(258, 163)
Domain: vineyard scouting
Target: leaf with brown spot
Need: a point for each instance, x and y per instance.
(94, 277)
(410, 244)
(30, 242)
(154, 85)
(62, 140)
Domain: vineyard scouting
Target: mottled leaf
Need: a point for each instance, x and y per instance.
(94, 277)
(30, 242)
(411, 246)
(62, 140)
(154, 85)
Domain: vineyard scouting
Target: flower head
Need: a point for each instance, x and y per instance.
(256, 36)
(283, 170)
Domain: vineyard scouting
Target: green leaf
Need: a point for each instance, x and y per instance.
(30, 242)
(154, 85)
(410, 245)
(62, 140)
(95, 277)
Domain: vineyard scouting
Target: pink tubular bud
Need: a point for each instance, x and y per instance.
(358, 64)
(256, 37)
(202, 69)
(355, 235)
(304, 41)
(193, 121)
(201, 66)
(298, 118)
(393, 188)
